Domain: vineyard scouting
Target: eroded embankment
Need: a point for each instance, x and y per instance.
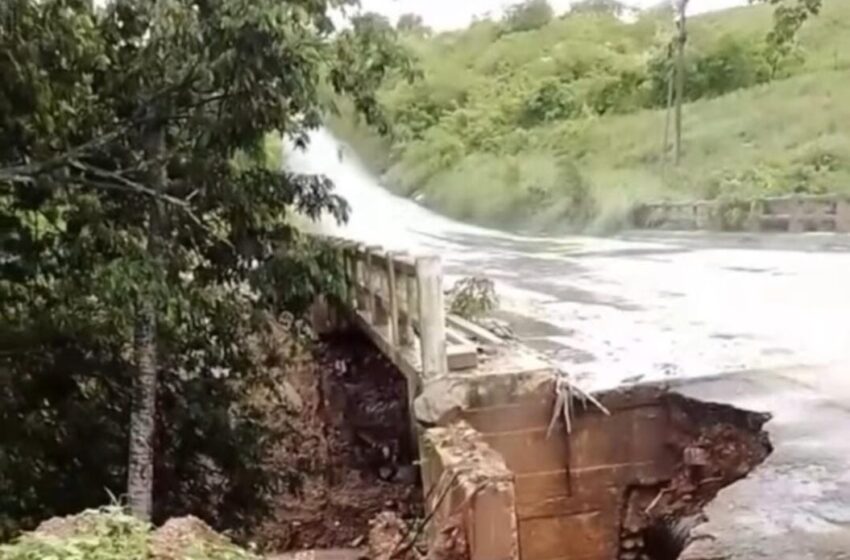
(357, 461)
(714, 446)
(626, 485)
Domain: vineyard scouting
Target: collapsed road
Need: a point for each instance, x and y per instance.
(764, 313)
(628, 479)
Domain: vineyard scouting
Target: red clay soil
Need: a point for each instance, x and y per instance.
(358, 458)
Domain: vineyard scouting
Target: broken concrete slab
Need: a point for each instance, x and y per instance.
(600, 491)
(466, 480)
(797, 504)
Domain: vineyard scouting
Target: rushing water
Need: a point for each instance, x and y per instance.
(633, 307)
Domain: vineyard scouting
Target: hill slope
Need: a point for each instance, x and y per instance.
(562, 126)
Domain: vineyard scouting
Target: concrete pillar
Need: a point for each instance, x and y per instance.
(796, 222)
(703, 211)
(392, 301)
(407, 286)
(754, 217)
(372, 283)
(842, 214)
(474, 483)
(432, 317)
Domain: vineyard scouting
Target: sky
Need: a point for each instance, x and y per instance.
(452, 14)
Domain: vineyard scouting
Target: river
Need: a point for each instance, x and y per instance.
(633, 307)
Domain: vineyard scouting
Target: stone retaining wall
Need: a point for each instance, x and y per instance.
(585, 496)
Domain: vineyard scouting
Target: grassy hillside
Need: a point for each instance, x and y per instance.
(562, 126)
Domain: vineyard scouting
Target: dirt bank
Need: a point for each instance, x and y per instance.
(716, 445)
(357, 459)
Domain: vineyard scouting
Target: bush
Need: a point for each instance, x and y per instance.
(65, 391)
(111, 534)
(552, 101)
(473, 297)
(729, 64)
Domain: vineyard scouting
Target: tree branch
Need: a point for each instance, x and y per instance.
(123, 183)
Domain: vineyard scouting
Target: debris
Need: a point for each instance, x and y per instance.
(386, 533)
(472, 297)
(450, 543)
(498, 327)
(564, 390)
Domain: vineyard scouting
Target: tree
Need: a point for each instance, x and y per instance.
(414, 24)
(788, 18)
(528, 15)
(681, 39)
(118, 129)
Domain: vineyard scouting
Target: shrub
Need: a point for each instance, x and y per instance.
(729, 64)
(111, 534)
(473, 297)
(552, 101)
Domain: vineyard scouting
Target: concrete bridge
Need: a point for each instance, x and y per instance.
(512, 452)
(748, 319)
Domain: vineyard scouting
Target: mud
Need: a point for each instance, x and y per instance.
(358, 459)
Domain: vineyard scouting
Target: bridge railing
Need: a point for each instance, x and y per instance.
(398, 301)
(791, 213)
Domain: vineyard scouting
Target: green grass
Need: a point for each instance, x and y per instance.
(474, 162)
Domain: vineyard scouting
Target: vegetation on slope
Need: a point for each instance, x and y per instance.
(110, 534)
(148, 262)
(560, 123)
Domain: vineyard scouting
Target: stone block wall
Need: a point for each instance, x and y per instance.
(591, 495)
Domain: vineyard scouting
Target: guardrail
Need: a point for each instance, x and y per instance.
(792, 213)
(398, 301)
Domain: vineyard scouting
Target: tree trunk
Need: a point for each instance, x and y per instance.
(665, 147)
(680, 75)
(140, 473)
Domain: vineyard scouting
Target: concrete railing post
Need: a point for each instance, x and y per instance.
(392, 301)
(754, 216)
(432, 317)
(796, 220)
(405, 329)
(842, 215)
(360, 276)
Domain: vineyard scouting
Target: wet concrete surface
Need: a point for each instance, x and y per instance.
(796, 506)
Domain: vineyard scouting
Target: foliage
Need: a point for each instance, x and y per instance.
(111, 534)
(507, 129)
(84, 88)
(528, 15)
(728, 64)
(788, 19)
(553, 101)
(412, 23)
(107, 536)
(473, 297)
(608, 7)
